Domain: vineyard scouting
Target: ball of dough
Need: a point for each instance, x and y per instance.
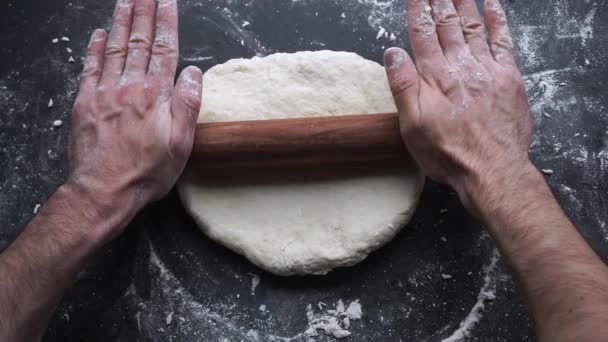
(310, 220)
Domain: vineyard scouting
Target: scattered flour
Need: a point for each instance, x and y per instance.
(389, 14)
(604, 230)
(485, 294)
(381, 32)
(543, 88)
(197, 58)
(586, 30)
(528, 44)
(255, 281)
(189, 316)
(572, 26)
(354, 311)
(333, 322)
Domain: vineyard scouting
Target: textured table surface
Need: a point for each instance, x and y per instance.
(164, 281)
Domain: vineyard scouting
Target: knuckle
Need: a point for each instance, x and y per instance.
(500, 20)
(114, 50)
(192, 103)
(504, 42)
(94, 52)
(477, 89)
(424, 25)
(447, 17)
(152, 89)
(451, 87)
(91, 70)
(129, 89)
(472, 27)
(105, 97)
(139, 41)
(102, 91)
(401, 86)
(164, 48)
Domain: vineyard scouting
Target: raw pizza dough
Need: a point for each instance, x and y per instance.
(313, 220)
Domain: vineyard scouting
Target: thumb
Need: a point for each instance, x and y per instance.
(185, 106)
(403, 80)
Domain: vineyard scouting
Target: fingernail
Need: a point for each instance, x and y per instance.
(163, 3)
(393, 58)
(96, 36)
(493, 5)
(98, 33)
(194, 70)
(193, 76)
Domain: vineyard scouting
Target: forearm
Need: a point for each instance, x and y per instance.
(46, 258)
(114, 169)
(564, 282)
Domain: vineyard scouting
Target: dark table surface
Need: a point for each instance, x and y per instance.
(164, 281)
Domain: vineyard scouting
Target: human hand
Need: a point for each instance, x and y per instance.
(463, 108)
(132, 127)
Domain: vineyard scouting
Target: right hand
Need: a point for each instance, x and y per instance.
(463, 108)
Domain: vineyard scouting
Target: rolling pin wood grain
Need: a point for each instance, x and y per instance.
(302, 141)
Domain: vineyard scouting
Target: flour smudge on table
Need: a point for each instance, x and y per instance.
(172, 312)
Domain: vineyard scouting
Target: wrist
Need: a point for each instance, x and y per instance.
(484, 190)
(104, 214)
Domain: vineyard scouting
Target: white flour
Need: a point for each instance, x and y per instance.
(255, 281)
(389, 14)
(586, 30)
(485, 294)
(543, 87)
(334, 322)
(172, 306)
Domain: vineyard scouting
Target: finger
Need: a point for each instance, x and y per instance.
(94, 61)
(185, 106)
(473, 28)
(165, 48)
(501, 43)
(140, 42)
(449, 30)
(118, 39)
(403, 80)
(423, 36)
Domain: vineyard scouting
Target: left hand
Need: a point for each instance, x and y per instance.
(132, 126)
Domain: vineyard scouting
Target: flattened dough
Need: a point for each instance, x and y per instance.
(313, 220)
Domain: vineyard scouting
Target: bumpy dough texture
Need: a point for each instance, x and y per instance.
(315, 220)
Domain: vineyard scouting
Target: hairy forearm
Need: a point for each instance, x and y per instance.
(563, 281)
(46, 258)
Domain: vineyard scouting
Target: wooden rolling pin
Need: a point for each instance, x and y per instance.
(302, 141)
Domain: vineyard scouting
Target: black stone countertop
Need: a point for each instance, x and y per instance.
(164, 281)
